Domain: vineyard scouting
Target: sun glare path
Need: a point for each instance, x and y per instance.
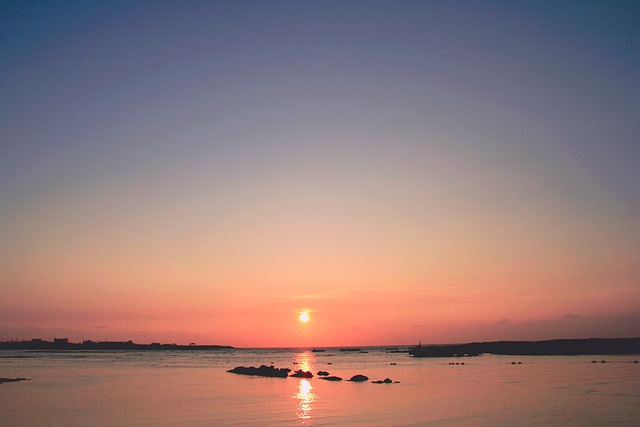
(306, 397)
(304, 317)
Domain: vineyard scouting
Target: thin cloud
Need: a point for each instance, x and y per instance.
(571, 316)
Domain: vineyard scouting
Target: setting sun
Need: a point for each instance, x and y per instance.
(304, 317)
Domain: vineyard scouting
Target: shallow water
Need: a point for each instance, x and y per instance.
(165, 388)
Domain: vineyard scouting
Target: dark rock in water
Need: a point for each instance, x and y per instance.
(302, 374)
(12, 380)
(385, 381)
(359, 378)
(262, 371)
(323, 373)
(331, 378)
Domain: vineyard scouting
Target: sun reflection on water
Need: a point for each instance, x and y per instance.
(305, 397)
(304, 361)
(304, 392)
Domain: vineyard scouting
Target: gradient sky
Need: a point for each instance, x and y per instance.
(202, 171)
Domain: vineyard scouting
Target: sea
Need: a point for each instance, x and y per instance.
(193, 388)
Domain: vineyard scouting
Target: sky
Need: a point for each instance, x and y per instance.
(435, 171)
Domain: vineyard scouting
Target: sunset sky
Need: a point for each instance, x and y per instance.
(440, 171)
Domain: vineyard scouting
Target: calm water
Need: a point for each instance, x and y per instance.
(193, 389)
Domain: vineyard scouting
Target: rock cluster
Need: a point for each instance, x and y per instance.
(262, 371)
(271, 371)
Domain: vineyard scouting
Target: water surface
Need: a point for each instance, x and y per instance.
(167, 388)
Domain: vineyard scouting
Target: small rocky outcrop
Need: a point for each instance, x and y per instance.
(331, 378)
(385, 381)
(359, 378)
(12, 380)
(262, 371)
(323, 373)
(302, 374)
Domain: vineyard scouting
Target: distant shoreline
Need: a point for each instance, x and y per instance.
(64, 344)
(557, 347)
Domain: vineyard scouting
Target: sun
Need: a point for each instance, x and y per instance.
(304, 317)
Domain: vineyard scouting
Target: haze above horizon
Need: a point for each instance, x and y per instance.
(397, 171)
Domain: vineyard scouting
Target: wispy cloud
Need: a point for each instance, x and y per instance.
(571, 316)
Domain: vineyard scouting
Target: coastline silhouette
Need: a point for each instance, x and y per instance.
(557, 347)
(65, 344)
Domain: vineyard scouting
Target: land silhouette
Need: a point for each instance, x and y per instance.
(558, 347)
(65, 344)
